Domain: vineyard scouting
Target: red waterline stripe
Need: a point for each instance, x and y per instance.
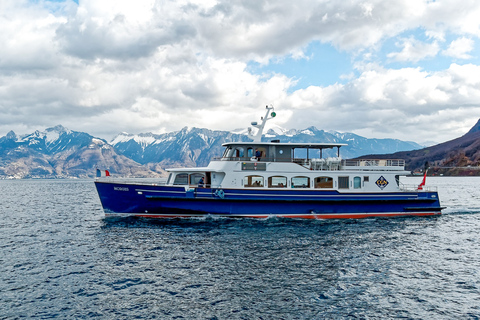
(293, 216)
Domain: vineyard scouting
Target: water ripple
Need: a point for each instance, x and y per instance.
(60, 258)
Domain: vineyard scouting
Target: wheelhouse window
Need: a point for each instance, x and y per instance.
(277, 182)
(300, 182)
(250, 152)
(253, 181)
(226, 153)
(170, 178)
(343, 183)
(357, 183)
(181, 179)
(239, 152)
(260, 153)
(323, 182)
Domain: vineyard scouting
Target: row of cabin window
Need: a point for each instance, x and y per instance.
(278, 181)
(239, 152)
(302, 182)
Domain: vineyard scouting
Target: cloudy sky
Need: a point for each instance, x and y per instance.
(406, 69)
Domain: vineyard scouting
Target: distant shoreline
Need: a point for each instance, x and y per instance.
(451, 172)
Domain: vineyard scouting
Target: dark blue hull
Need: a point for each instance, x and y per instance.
(171, 202)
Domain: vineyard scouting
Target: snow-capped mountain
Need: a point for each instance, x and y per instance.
(58, 152)
(187, 147)
(56, 139)
(195, 147)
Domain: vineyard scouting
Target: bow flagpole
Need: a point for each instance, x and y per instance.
(420, 186)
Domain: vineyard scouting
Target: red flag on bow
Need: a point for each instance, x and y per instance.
(420, 186)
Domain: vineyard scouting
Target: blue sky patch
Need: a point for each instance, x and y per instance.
(322, 66)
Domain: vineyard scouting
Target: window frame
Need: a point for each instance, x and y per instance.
(195, 181)
(328, 184)
(303, 186)
(270, 184)
(343, 182)
(247, 181)
(181, 183)
(357, 182)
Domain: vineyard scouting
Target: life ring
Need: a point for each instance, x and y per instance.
(220, 193)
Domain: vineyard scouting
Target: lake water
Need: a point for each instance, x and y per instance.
(60, 258)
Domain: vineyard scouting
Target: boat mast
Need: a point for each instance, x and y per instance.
(258, 136)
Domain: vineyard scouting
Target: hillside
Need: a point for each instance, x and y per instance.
(459, 156)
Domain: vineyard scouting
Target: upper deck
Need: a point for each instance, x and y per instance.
(308, 155)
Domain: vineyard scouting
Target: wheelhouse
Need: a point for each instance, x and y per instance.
(279, 152)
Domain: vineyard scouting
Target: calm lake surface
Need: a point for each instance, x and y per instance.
(61, 258)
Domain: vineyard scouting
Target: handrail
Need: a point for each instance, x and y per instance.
(374, 163)
(324, 163)
(134, 181)
(414, 188)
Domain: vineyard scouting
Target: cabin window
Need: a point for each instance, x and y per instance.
(357, 183)
(324, 182)
(397, 180)
(253, 181)
(181, 179)
(170, 177)
(277, 182)
(300, 182)
(343, 183)
(195, 178)
(250, 152)
(366, 178)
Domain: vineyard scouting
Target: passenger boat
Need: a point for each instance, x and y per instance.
(274, 179)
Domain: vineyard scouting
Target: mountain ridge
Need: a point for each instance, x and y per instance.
(58, 152)
(196, 146)
(61, 153)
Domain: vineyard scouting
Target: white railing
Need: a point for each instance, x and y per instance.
(331, 163)
(137, 181)
(374, 163)
(414, 188)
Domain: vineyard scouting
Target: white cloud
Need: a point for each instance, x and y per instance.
(26, 37)
(459, 48)
(414, 50)
(110, 66)
(384, 102)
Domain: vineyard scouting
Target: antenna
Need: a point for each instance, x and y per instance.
(268, 115)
